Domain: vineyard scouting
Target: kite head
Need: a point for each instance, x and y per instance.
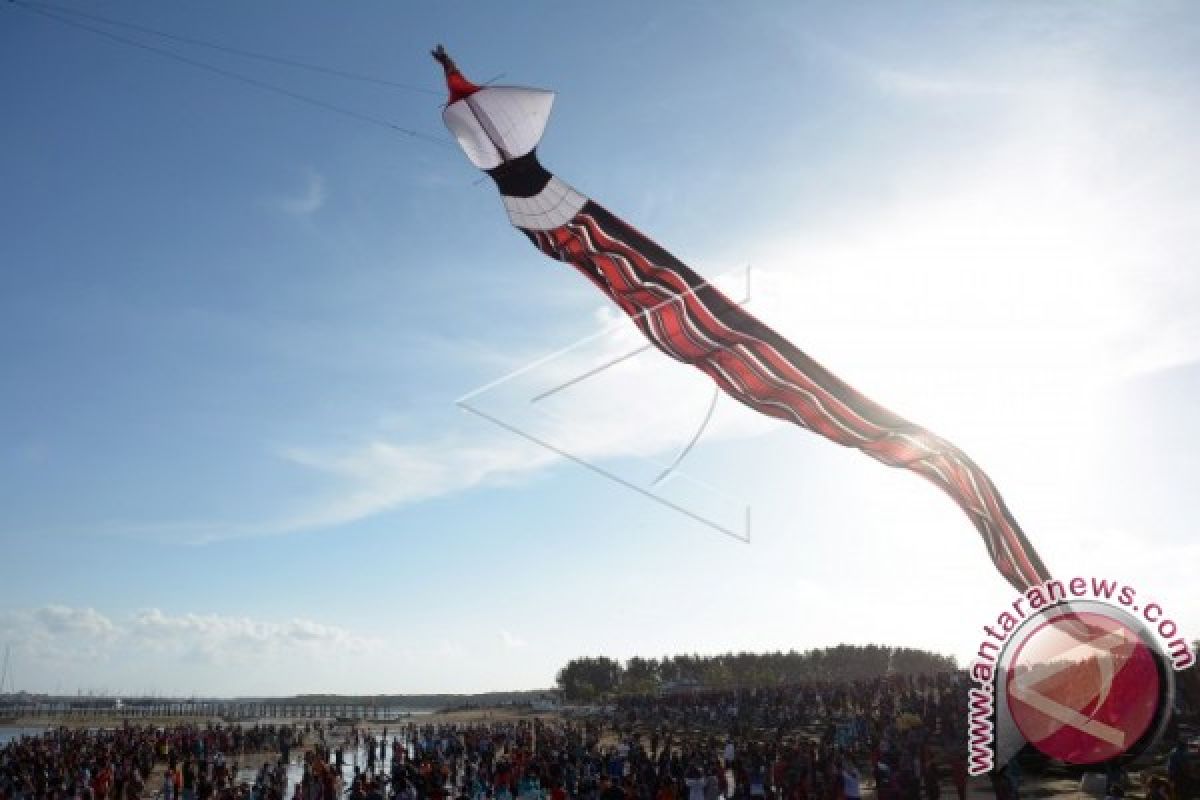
(493, 124)
(456, 83)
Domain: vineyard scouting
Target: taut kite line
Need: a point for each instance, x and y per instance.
(499, 127)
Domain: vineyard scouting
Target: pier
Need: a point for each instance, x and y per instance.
(228, 710)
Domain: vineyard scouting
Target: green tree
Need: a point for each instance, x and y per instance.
(641, 675)
(589, 679)
(593, 678)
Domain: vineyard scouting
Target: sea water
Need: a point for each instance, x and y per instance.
(8, 733)
(352, 757)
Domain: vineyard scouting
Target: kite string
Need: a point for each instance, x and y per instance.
(232, 50)
(236, 76)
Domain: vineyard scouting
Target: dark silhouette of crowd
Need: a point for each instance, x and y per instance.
(197, 762)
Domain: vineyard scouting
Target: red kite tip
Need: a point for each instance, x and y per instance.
(456, 83)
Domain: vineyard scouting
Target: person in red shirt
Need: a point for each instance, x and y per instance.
(102, 782)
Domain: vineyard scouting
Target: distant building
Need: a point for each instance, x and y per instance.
(547, 701)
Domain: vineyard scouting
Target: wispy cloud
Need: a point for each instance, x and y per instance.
(618, 413)
(374, 477)
(511, 642)
(913, 84)
(221, 638)
(307, 200)
(906, 80)
(50, 634)
(62, 620)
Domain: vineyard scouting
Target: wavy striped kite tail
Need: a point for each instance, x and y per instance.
(693, 322)
(951, 470)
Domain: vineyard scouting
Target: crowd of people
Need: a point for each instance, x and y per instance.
(822, 741)
(812, 741)
(902, 739)
(196, 762)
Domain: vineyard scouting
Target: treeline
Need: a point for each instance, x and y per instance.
(587, 679)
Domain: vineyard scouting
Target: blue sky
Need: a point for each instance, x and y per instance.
(235, 326)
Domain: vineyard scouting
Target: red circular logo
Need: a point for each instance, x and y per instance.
(1083, 687)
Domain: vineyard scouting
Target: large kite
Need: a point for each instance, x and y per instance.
(499, 127)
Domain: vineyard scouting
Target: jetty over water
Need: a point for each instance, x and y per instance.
(229, 710)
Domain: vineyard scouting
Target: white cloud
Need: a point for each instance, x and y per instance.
(381, 475)
(619, 413)
(308, 200)
(60, 635)
(61, 620)
(230, 636)
(511, 642)
(908, 81)
(901, 82)
(55, 637)
(153, 650)
(642, 407)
